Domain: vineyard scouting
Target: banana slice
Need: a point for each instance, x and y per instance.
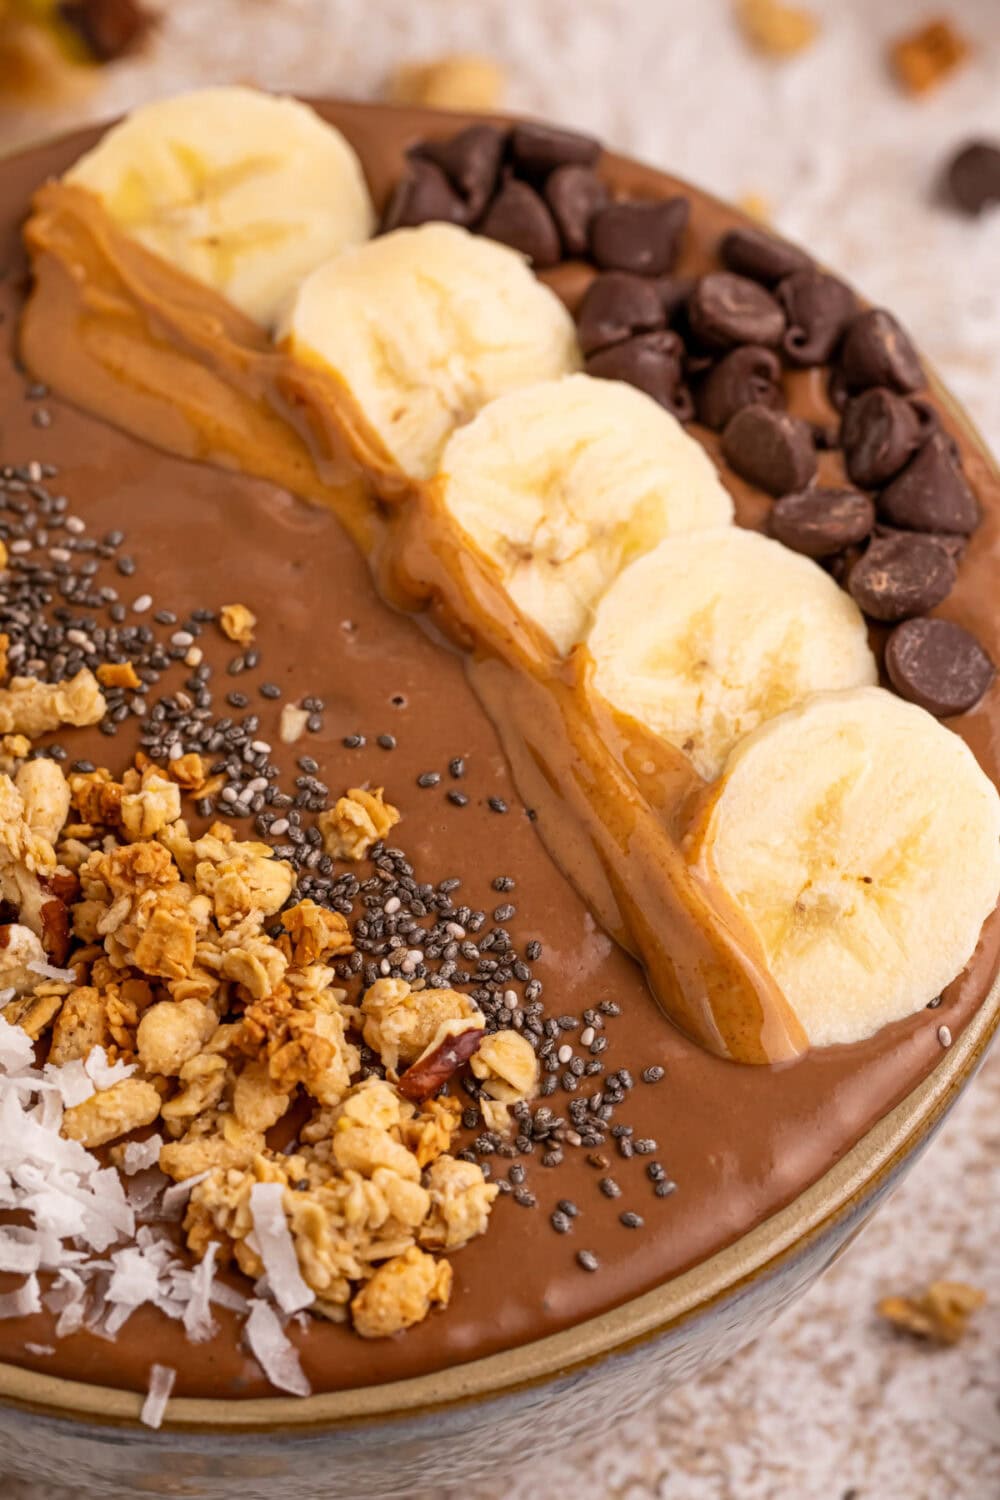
(712, 633)
(861, 840)
(242, 191)
(564, 483)
(424, 326)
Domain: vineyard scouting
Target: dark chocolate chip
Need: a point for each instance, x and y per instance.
(616, 306)
(879, 432)
(770, 448)
(640, 237)
(972, 179)
(471, 161)
(541, 148)
(652, 362)
(725, 309)
(673, 292)
(759, 255)
(931, 493)
(938, 665)
(575, 194)
(818, 308)
(519, 218)
(902, 575)
(820, 522)
(745, 377)
(423, 193)
(877, 352)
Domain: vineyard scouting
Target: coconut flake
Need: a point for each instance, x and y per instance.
(273, 1351)
(70, 1081)
(138, 1155)
(16, 1048)
(19, 1252)
(161, 1383)
(102, 1074)
(49, 971)
(274, 1245)
(175, 1197)
(24, 1300)
(198, 1321)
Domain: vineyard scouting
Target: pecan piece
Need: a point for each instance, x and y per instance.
(453, 1045)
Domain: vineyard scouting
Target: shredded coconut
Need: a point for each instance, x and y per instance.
(177, 1196)
(49, 971)
(102, 1074)
(161, 1383)
(273, 1351)
(139, 1155)
(274, 1245)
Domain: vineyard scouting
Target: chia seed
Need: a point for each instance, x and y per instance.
(587, 1260)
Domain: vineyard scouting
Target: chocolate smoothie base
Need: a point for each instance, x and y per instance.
(739, 1141)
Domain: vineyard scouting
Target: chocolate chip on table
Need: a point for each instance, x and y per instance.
(820, 522)
(574, 195)
(641, 237)
(747, 376)
(972, 178)
(616, 306)
(931, 493)
(539, 149)
(471, 161)
(652, 362)
(423, 193)
(770, 448)
(938, 665)
(519, 218)
(818, 308)
(725, 309)
(900, 576)
(761, 256)
(880, 431)
(876, 351)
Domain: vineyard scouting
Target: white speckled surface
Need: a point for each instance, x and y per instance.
(830, 1405)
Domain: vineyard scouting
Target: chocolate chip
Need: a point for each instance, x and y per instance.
(640, 237)
(745, 377)
(770, 448)
(972, 178)
(471, 161)
(423, 193)
(818, 308)
(759, 255)
(820, 522)
(616, 306)
(652, 362)
(902, 575)
(877, 352)
(575, 194)
(725, 309)
(519, 218)
(541, 148)
(879, 432)
(931, 493)
(938, 665)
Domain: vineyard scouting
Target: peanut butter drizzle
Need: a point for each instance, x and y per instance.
(122, 334)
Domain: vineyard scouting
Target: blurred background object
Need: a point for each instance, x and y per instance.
(870, 131)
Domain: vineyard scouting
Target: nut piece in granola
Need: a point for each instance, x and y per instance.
(457, 81)
(775, 28)
(400, 1022)
(356, 822)
(453, 1044)
(401, 1293)
(238, 623)
(103, 1117)
(941, 1314)
(924, 58)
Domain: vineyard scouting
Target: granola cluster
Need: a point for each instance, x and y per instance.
(189, 958)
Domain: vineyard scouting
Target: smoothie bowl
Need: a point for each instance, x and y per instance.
(499, 756)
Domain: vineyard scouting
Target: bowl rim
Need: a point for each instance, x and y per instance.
(844, 1190)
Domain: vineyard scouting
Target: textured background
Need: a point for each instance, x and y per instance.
(830, 1406)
